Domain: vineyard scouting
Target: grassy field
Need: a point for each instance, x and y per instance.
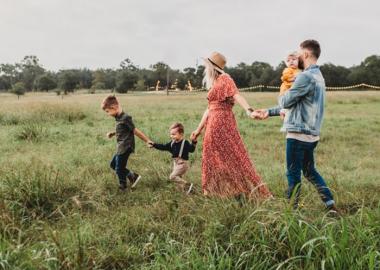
(60, 207)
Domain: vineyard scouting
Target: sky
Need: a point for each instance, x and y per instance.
(101, 33)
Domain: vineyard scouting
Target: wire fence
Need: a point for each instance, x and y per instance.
(269, 88)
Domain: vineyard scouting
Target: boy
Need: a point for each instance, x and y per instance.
(125, 137)
(180, 149)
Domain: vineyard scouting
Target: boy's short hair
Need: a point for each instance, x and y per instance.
(179, 127)
(109, 102)
(313, 46)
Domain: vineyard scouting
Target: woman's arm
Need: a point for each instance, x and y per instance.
(200, 127)
(242, 102)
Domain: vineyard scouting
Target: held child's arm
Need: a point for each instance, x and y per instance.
(192, 146)
(141, 135)
(163, 147)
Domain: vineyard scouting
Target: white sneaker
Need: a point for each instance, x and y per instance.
(190, 189)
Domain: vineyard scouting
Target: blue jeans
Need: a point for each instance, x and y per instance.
(300, 156)
(119, 165)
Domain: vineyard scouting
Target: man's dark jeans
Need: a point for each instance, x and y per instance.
(300, 157)
(119, 165)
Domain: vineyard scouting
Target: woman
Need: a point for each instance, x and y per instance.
(226, 167)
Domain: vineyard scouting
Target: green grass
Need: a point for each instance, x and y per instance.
(60, 208)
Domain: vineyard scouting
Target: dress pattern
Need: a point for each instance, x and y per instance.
(226, 167)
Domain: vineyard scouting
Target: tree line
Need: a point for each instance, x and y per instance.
(30, 75)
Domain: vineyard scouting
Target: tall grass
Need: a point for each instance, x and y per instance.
(60, 208)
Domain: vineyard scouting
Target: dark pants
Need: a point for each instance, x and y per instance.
(119, 165)
(300, 157)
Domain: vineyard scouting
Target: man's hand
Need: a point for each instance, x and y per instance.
(110, 134)
(282, 114)
(149, 144)
(260, 114)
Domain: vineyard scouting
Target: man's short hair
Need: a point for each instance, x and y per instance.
(313, 46)
(109, 102)
(179, 127)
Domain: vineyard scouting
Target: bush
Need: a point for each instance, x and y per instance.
(18, 89)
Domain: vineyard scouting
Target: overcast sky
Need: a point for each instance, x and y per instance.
(101, 33)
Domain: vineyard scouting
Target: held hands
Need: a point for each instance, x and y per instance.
(149, 144)
(110, 134)
(194, 135)
(260, 114)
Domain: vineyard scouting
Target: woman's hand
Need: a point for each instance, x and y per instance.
(194, 135)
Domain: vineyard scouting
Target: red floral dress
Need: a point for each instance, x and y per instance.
(226, 167)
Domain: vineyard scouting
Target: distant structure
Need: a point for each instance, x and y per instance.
(189, 86)
(158, 85)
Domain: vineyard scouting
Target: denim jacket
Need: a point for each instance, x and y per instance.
(305, 103)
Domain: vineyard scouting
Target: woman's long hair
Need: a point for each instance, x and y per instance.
(210, 74)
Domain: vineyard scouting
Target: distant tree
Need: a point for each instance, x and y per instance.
(5, 84)
(367, 72)
(10, 73)
(99, 79)
(140, 85)
(84, 78)
(45, 82)
(276, 75)
(160, 73)
(335, 75)
(125, 80)
(67, 80)
(128, 65)
(199, 77)
(18, 89)
(30, 70)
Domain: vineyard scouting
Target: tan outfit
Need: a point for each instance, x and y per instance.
(180, 167)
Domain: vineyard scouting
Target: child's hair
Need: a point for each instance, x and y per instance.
(296, 55)
(313, 46)
(179, 127)
(109, 102)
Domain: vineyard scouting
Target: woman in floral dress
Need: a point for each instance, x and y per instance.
(227, 170)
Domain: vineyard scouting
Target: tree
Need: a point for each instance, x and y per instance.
(125, 80)
(84, 78)
(140, 85)
(45, 82)
(67, 80)
(10, 73)
(128, 65)
(5, 84)
(30, 70)
(18, 89)
(160, 73)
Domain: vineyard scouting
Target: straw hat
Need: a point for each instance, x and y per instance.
(218, 60)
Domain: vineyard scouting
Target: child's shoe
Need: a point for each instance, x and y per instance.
(134, 178)
(189, 189)
(123, 187)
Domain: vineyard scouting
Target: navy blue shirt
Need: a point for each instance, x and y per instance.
(175, 147)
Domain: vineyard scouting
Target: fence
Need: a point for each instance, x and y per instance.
(269, 88)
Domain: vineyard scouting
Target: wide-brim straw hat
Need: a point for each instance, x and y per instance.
(218, 60)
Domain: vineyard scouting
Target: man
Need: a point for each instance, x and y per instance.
(302, 124)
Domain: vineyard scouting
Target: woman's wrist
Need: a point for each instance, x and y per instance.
(249, 111)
